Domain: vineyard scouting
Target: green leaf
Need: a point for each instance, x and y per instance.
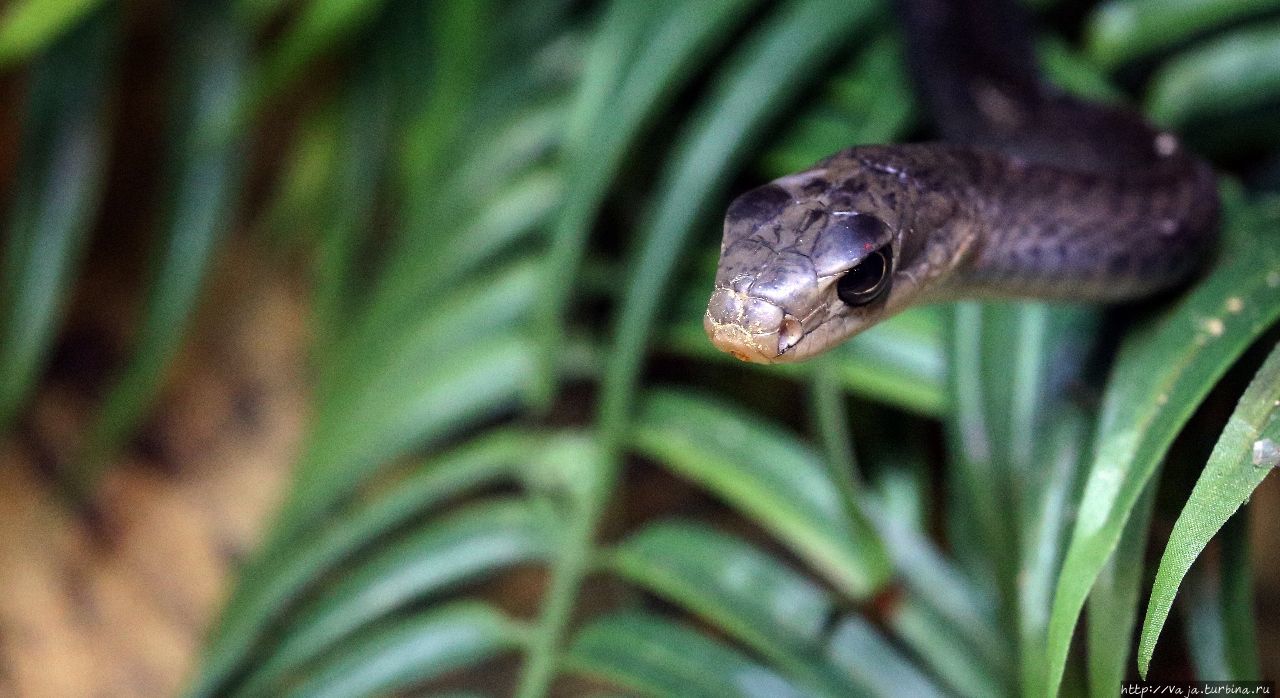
(966, 609)
(475, 381)
(771, 476)
(319, 26)
(469, 314)
(656, 657)
(56, 194)
(29, 26)
(869, 101)
(1226, 483)
(459, 55)
(1066, 68)
(1120, 31)
(1053, 485)
(929, 628)
(752, 596)
(205, 163)
(758, 598)
(982, 479)
(509, 218)
(511, 147)
(507, 211)
(477, 541)
(306, 178)
(1113, 603)
(901, 362)
(583, 478)
(276, 579)
(869, 660)
(946, 649)
(1010, 368)
(1229, 74)
(1159, 378)
(474, 214)
(605, 122)
(761, 80)
(830, 416)
(1220, 631)
(404, 653)
(348, 197)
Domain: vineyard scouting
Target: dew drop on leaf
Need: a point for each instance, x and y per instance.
(1266, 453)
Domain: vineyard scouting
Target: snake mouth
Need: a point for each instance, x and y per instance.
(750, 328)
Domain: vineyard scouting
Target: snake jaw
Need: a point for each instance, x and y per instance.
(750, 328)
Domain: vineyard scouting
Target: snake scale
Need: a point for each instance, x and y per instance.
(1032, 193)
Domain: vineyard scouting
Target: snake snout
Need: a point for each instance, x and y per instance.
(750, 328)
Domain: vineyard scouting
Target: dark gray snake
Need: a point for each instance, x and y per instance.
(1034, 194)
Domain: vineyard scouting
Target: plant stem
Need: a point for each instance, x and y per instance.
(567, 574)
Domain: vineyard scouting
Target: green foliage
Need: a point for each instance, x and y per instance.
(29, 26)
(774, 477)
(502, 207)
(653, 656)
(1230, 476)
(59, 184)
(206, 161)
(1121, 31)
(1163, 372)
(1228, 75)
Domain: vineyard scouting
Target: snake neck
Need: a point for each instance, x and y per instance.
(1045, 231)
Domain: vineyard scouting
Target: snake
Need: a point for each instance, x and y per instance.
(1029, 193)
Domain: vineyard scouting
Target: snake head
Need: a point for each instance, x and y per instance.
(809, 260)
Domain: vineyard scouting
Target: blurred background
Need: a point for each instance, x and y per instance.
(354, 347)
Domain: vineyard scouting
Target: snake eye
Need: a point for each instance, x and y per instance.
(866, 281)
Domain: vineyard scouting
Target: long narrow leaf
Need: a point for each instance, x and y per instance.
(774, 478)
(205, 169)
(1225, 485)
(1125, 30)
(469, 314)
(473, 383)
(1010, 367)
(272, 585)
(760, 79)
(1220, 616)
(870, 101)
(756, 598)
(406, 653)
(1235, 72)
(27, 26)
(320, 25)
(1162, 374)
(1065, 452)
(479, 540)
(656, 657)
(607, 122)
(868, 659)
(923, 570)
(58, 187)
(768, 75)
(946, 650)
(1113, 602)
(350, 198)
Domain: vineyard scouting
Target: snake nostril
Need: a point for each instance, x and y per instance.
(789, 333)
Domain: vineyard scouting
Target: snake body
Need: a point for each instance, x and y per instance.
(1034, 194)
